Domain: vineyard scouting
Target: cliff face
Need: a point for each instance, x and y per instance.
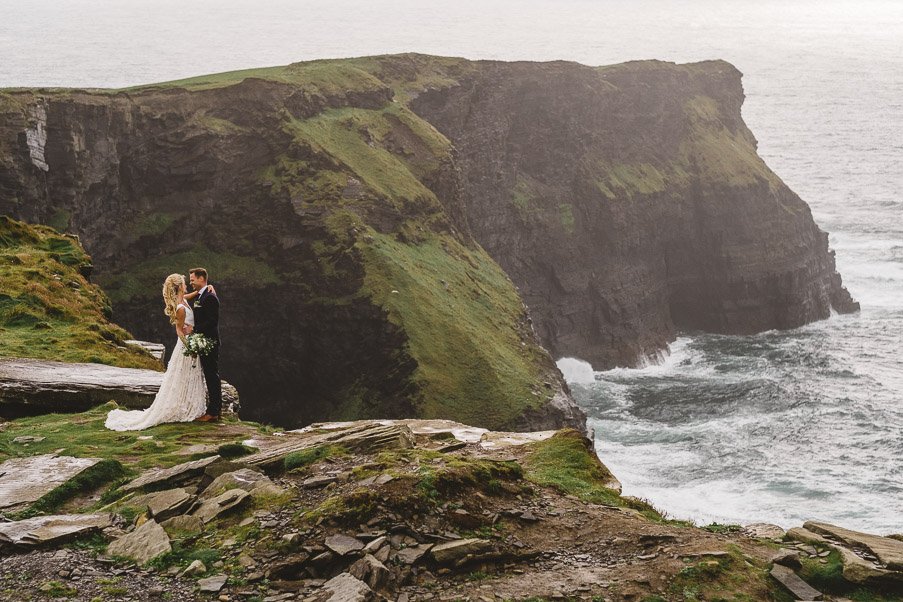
(628, 202)
(318, 205)
(346, 233)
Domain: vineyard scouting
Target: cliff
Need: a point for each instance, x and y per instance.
(628, 202)
(343, 208)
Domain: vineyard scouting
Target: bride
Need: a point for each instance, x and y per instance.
(181, 397)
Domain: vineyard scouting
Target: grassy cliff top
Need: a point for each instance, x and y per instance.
(49, 310)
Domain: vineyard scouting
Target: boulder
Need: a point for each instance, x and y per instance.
(227, 501)
(195, 568)
(764, 531)
(252, 481)
(143, 544)
(183, 524)
(855, 568)
(158, 350)
(412, 554)
(371, 571)
(52, 529)
(345, 587)
(25, 480)
(159, 477)
(788, 558)
(164, 504)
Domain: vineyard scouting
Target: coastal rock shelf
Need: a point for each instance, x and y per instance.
(388, 510)
(29, 386)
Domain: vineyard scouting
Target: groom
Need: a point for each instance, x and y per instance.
(206, 322)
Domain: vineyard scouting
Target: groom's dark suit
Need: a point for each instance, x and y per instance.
(206, 322)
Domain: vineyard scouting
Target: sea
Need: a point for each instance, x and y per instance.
(778, 427)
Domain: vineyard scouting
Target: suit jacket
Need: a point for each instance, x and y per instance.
(206, 315)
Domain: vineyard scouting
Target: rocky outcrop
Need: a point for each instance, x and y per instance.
(348, 208)
(629, 202)
(29, 387)
(867, 559)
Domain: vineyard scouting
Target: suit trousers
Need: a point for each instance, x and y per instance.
(210, 366)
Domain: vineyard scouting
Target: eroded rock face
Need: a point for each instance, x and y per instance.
(628, 202)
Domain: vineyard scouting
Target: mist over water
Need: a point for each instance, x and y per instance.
(778, 427)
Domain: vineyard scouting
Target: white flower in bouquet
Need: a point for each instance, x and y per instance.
(198, 345)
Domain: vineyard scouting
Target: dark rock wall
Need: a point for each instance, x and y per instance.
(688, 229)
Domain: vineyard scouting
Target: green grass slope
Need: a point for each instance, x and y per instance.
(48, 309)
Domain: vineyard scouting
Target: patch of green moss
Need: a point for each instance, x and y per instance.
(83, 435)
(828, 577)
(146, 278)
(359, 139)
(476, 361)
(628, 180)
(566, 213)
(306, 457)
(48, 310)
(523, 196)
(730, 578)
(564, 461)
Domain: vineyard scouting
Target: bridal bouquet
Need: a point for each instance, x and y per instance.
(198, 345)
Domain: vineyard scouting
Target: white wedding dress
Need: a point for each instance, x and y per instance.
(181, 398)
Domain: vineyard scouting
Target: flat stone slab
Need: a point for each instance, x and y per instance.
(888, 551)
(174, 474)
(143, 544)
(212, 584)
(25, 480)
(796, 586)
(412, 554)
(31, 387)
(164, 504)
(363, 436)
(345, 587)
(343, 544)
(51, 529)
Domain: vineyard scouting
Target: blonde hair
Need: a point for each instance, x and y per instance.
(172, 286)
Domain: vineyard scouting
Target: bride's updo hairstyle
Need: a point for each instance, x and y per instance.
(171, 288)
